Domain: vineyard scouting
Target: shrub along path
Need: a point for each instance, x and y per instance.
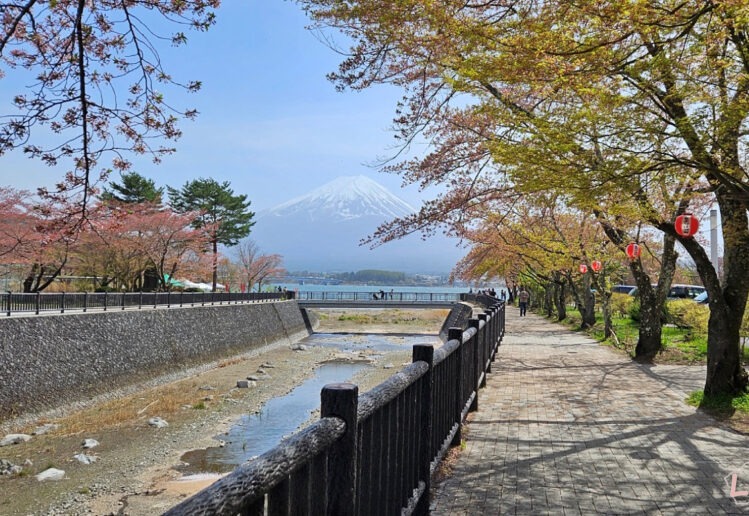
(567, 426)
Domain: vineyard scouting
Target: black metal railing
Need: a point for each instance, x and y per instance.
(13, 303)
(373, 453)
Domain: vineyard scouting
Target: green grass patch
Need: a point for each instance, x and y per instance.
(357, 318)
(683, 341)
(723, 403)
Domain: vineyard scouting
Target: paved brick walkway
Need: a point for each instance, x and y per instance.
(566, 426)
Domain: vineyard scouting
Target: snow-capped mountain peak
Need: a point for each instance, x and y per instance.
(322, 231)
(345, 198)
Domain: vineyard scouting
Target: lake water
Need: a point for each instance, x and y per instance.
(372, 288)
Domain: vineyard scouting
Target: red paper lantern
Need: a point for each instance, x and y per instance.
(596, 266)
(633, 251)
(583, 268)
(686, 225)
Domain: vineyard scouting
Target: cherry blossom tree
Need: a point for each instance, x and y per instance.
(255, 266)
(99, 87)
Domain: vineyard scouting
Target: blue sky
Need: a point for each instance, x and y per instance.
(270, 122)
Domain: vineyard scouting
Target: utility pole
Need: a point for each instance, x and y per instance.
(714, 240)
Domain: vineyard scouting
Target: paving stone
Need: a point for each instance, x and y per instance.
(566, 426)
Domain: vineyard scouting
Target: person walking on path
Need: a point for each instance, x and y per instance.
(523, 299)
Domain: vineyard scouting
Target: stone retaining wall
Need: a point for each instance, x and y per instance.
(47, 361)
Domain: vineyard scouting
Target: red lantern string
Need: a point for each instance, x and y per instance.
(633, 251)
(686, 225)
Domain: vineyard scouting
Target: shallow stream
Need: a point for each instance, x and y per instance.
(254, 434)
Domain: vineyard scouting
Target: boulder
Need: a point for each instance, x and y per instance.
(50, 474)
(41, 430)
(14, 439)
(245, 384)
(90, 443)
(157, 422)
(84, 458)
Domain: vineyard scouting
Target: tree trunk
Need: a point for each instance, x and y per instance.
(603, 286)
(649, 339)
(651, 302)
(608, 325)
(549, 299)
(559, 296)
(588, 306)
(725, 372)
(28, 282)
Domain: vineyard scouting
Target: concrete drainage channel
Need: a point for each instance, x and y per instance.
(257, 433)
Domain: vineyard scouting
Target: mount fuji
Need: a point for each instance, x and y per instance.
(321, 231)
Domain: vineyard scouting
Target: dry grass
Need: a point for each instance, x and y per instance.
(386, 320)
(163, 401)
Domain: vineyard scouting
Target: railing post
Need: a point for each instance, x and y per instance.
(62, 303)
(457, 334)
(341, 400)
(181, 296)
(425, 353)
(140, 300)
(38, 301)
(85, 301)
(486, 343)
(491, 313)
(8, 293)
(168, 298)
(105, 300)
(477, 367)
(504, 317)
(123, 300)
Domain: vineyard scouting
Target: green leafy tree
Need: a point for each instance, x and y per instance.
(647, 98)
(224, 216)
(133, 189)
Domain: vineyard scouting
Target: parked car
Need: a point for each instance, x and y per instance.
(685, 291)
(679, 291)
(701, 298)
(622, 289)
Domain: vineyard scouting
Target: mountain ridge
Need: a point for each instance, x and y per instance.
(321, 231)
(341, 196)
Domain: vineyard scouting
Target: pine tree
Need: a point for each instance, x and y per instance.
(224, 216)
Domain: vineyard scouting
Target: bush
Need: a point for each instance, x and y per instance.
(634, 310)
(685, 313)
(621, 304)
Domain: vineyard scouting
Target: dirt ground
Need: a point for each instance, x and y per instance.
(135, 470)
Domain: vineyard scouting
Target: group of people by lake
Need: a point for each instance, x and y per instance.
(512, 293)
(382, 294)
